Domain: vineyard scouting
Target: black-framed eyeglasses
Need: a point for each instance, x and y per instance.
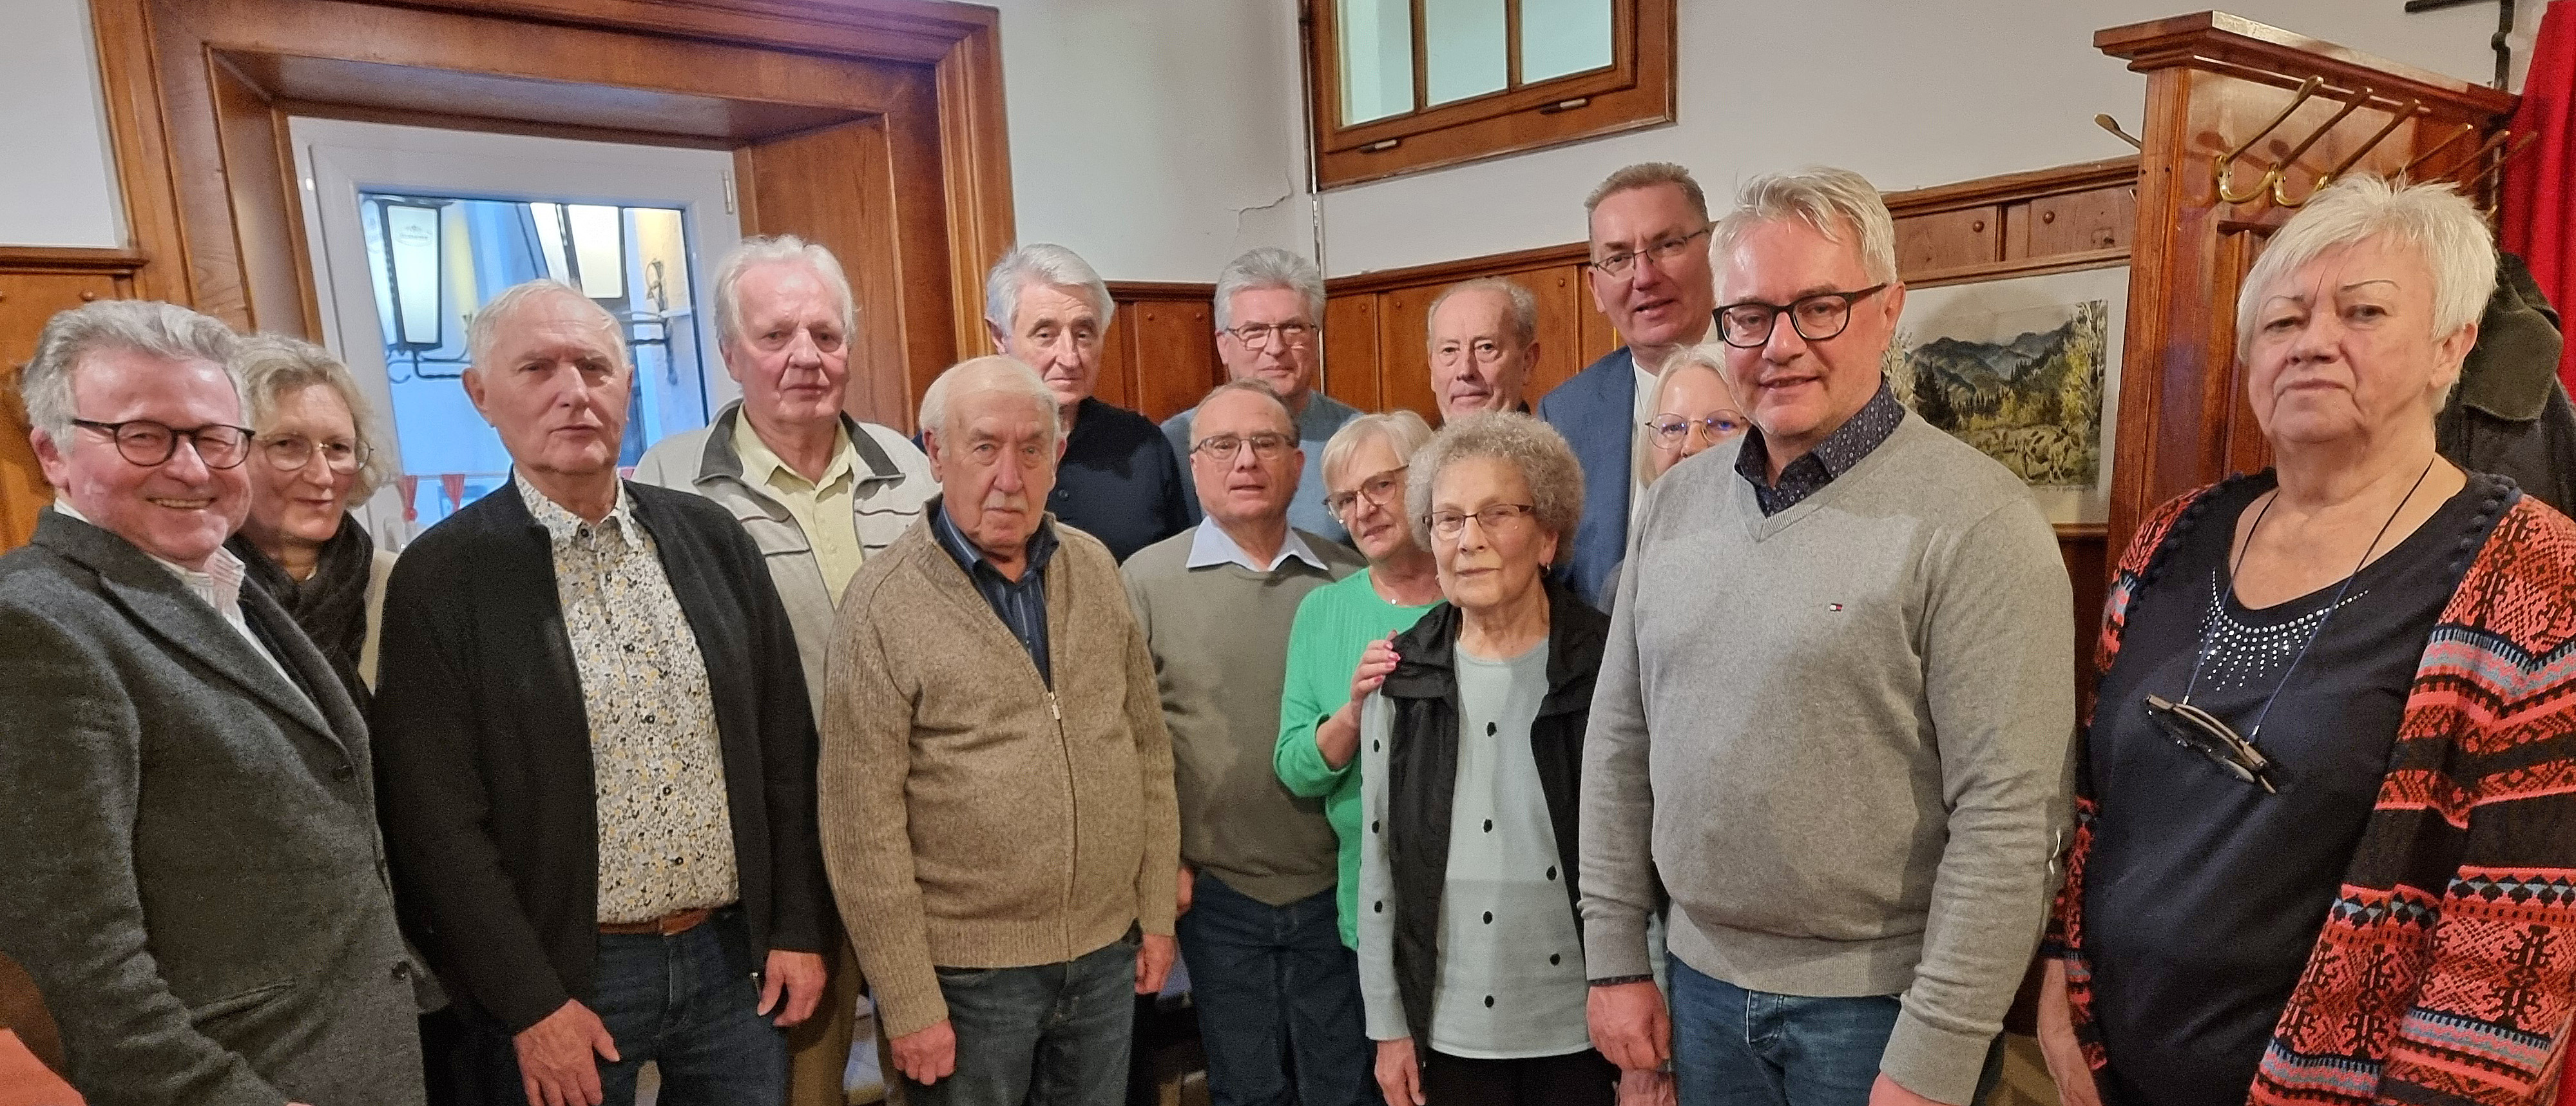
(1379, 490)
(292, 452)
(1661, 252)
(1259, 335)
(2202, 732)
(147, 443)
(1672, 431)
(1449, 524)
(1816, 318)
(1225, 447)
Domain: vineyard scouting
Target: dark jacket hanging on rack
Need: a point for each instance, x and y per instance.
(2510, 414)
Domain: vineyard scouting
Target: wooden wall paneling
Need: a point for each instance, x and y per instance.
(800, 185)
(34, 284)
(1949, 239)
(2075, 222)
(1562, 303)
(2089, 570)
(1350, 350)
(1175, 344)
(2213, 81)
(1404, 358)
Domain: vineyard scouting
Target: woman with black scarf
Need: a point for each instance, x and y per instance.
(313, 461)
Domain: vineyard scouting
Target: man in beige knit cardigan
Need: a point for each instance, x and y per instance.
(996, 782)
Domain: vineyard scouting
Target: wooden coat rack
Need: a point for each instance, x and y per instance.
(2244, 122)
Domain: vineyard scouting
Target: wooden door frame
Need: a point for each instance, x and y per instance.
(211, 201)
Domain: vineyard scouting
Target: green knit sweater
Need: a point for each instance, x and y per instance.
(1334, 627)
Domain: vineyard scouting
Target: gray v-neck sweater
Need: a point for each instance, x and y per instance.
(1839, 735)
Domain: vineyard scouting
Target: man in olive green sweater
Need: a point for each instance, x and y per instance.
(996, 781)
(1277, 992)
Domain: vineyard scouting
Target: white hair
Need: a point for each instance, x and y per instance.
(1842, 205)
(1041, 263)
(1522, 313)
(996, 373)
(163, 330)
(1546, 463)
(485, 329)
(1269, 267)
(1401, 430)
(2442, 226)
(781, 249)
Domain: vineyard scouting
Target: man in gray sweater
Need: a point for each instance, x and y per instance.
(1834, 711)
(1278, 994)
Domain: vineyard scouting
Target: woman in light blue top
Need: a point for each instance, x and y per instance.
(1471, 951)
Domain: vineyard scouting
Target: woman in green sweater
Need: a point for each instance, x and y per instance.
(1342, 624)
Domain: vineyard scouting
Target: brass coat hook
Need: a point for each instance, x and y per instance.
(2113, 125)
(2280, 173)
(2493, 142)
(2487, 179)
(2225, 169)
(2408, 172)
(2403, 114)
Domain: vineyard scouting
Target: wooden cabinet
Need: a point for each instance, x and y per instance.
(34, 285)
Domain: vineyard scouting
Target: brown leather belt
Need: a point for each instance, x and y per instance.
(668, 925)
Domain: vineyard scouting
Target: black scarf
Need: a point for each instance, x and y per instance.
(331, 608)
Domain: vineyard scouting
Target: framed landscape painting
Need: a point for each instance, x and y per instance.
(2026, 369)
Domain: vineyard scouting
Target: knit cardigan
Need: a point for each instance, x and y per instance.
(2447, 965)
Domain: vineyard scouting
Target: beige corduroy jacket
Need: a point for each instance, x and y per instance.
(972, 816)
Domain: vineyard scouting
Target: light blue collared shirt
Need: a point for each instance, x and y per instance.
(1213, 546)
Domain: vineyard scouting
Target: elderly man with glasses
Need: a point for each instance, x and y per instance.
(1278, 996)
(195, 879)
(1649, 273)
(1269, 327)
(1855, 788)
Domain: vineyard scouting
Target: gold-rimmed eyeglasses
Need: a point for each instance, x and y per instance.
(292, 452)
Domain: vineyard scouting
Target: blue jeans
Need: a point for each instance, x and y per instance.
(1734, 1047)
(1049, 1035)
(688, 1003)
(1277, 994)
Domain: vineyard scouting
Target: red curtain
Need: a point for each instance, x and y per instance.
(2540, 184)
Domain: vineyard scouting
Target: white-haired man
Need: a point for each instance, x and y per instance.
(598, 751)
(1856, 824)
(195, 880)
(1119, 481)
(996, 776)
(1270, 328)
(818, 490)
(1649, 275)
(1483, 337)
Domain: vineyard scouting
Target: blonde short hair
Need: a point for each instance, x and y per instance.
(1401, 430)
(1842, 205)
(274, 366)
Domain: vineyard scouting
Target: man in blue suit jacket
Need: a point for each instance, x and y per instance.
(1650, 274)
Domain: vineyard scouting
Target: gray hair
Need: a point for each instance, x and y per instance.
(994, 373)
(1545, 462)
(1523, 314)
(1260, 388)
(485, 329)
(1269, 267)
(1043, 263)
(1842, 205)
(273, 366)
(781, 249)
(1647, 174)
(1710, 356)
(2442, 226)
(163, 330)
(1401, 430)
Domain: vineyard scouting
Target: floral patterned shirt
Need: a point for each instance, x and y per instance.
(665, 830)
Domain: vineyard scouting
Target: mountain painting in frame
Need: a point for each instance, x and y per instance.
(2027, 369)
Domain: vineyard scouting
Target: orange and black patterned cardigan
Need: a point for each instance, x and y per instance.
(2446, 970)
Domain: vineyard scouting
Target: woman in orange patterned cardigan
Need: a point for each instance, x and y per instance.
(2326, 813)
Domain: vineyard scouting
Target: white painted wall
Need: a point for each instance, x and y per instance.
(58, 180)
(1907, 92)
(1156, 138)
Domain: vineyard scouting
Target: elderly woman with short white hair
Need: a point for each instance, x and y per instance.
(2324, 809)
(1471, 951)
(314, 459)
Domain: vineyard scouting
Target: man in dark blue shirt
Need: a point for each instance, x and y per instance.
(1119, 480)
